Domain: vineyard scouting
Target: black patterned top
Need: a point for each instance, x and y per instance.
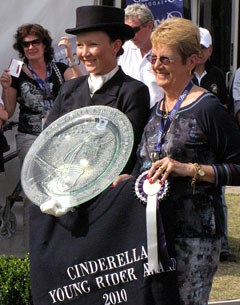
(205, 133)
(30, 98)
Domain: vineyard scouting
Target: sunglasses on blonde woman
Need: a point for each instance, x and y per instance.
(166, 60)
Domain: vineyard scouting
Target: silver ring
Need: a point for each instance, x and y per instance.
(161, 168)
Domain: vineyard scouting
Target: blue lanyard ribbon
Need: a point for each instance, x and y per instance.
(164, 127)
(44, 85)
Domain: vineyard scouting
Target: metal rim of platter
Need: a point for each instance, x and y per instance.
(77, 156)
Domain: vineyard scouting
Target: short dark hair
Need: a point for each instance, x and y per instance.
(37, 30)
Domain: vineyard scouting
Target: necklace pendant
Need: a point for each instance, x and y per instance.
(165, 116)
(155, 156)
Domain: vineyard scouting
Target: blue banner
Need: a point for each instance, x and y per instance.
(162, 9)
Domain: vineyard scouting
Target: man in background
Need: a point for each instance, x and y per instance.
(134, 60)
(208, 75)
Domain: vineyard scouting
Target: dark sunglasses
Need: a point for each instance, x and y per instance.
(166, 60)
(136, 29)
(26, 44)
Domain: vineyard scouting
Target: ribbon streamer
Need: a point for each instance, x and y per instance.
(156, 242)
(152, 239)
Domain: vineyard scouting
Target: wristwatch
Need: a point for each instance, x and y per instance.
(199, 172)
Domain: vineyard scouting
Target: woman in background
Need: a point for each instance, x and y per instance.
(38, 83)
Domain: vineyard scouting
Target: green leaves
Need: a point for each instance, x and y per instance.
(15, 281)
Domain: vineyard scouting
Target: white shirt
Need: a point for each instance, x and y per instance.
(236, 85)
(140, 68)
(96, 82)
(199, 77)
(236, 91)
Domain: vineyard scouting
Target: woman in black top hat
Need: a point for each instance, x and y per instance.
(101, 33)
(56, 242)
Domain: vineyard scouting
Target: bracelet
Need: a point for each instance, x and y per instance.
(71, 63)
(197, 168)
(199, 172)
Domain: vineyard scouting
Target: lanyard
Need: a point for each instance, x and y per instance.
(164, 127)
(44, 85)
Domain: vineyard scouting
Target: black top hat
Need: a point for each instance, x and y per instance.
(106, 18)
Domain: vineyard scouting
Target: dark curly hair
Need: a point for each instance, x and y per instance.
(37, 30)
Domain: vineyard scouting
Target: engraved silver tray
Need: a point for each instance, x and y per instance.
(77, 156)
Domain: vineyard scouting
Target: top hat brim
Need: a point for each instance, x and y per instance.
(125, 31)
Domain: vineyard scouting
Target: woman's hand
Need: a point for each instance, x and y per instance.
(6, 79)
(161, 169)
(74, 69)
(119, 179)
(66, 42)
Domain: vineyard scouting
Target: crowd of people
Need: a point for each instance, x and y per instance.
(161, 78)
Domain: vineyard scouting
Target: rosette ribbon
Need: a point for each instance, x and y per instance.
(152, 194)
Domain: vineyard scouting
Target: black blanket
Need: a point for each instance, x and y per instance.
(98, 255)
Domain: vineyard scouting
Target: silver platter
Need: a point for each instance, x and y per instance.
(78, 156)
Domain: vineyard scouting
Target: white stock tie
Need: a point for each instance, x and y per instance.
(95, 83)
